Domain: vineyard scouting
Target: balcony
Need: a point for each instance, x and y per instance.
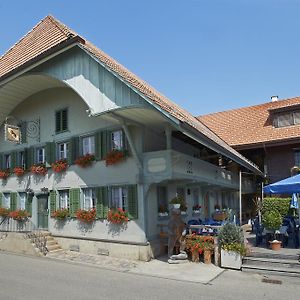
(173, 165)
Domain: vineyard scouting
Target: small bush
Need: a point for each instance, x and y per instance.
(281, 205)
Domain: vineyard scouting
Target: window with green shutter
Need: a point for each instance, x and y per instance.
(1, 195)
(53, 197)
(13, 200)
(132, 201)
(61, 120)
(102, 202)
(29, 157)
(28, 204)
(13, 160)
(74, 201)
(50, 153)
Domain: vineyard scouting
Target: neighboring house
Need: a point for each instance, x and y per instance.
(268, 134)
(71, 99)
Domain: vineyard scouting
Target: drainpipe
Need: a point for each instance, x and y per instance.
(240, 197)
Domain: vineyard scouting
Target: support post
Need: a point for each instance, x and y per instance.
(240, 197)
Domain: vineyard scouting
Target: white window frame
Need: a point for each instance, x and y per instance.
(40, 155)
(88, 144)
(88, 198)
(21, 159)
(22, 200)
(7, 161)
(62, 150)
(117, 142)
(119, 197)
(63, 199)
(6, 200)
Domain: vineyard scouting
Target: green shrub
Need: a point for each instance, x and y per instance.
(281, 205)
(272, 219)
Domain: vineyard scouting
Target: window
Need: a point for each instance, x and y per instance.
(119, 196)
(61, 120)
(6, 200)
(21, 159)
(287, 119)
(162, 199)
(22, 200)
(117, 140)
(63, 149)
(297, 158)
(180, 192)
(63, 197)
(40, 155)
(195, 197)
(7, 161)
(89, 198)
(88, 145)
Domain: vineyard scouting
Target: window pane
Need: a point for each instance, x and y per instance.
(116, 197)
(162, 198)
(63, 150)
(7, 161)
(117, 140)
(296, 117)
(88, 145)
(22, 197)
(63, 199)
(6, 200)
(89, 199)
(285, 120)
(297, 158)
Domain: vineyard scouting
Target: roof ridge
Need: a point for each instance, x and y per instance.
(61, 26)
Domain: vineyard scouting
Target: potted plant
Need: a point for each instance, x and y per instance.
(20, 215)
(117, 216)
(4, 174)
(197, 209)
(163, 211)
(208, 247)
(39, 169)
(86, 216)
(19, 171)
(272, 221)
(231, 242)
(85, 160)
(114, 156)
(4, 212)
(59, 166)
(178, 202)
(60, 214)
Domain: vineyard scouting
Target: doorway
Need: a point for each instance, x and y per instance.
(42, 212)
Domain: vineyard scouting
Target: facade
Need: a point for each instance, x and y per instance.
(72, 102)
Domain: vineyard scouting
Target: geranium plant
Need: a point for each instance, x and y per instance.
(39, 169)
(60, 214)
(86, 216)
(4, 212)
(19, 171)
(19, 215)
(4, 174)
(85, 160)
(114, 156)
(59, 166)
(117, 216)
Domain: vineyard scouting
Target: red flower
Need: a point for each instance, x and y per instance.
(117, 216)
(86, 216)
(85, 161)
(59, 166)
(19, 171)
(4, 173)
(114, 157)
(19, 215)
(39, 169)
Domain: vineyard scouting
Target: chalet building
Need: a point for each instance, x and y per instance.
(268, 134)
(88, 134)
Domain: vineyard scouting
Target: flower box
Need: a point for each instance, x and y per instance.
(4, 174)
(20, 215)
(59, 166)
(19, 171)
(39, 169)
(231, 259)
(60, 214)
(4, 212)
(117, 216)
(86, 216)
(85, 161)
(115, 156)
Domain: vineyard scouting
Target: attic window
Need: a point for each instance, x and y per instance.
(287, 119)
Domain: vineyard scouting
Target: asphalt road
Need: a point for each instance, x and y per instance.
(23, 277)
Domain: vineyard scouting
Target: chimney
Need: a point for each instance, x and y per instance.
(274, 98)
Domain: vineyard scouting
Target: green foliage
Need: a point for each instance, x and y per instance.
(231, 234)
(236, 247)
(281, 205)
(272, 219)
(178, 200)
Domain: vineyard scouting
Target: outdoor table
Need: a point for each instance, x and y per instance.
(205, 228)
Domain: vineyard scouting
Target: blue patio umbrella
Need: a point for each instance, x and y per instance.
(294, 202)
(286, 186)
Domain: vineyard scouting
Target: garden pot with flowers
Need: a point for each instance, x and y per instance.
(197, 209)
(117, 216)
(4, 174)
(60, 214)
(39, 169)
(114, 156)
(19, 171)
(59, 166)
(86, 216)
(85, 160)
(4, 212)
(19, 215)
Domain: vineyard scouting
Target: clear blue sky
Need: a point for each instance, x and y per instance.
(205, 55)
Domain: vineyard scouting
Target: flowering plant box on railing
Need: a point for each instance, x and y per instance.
(4, 212)
(60, 214)
(85, 161)
(59, 166)
(39, 169)
(4, 174)
(19, 171)
(117, 216)
(20, 215)
(115, 156)
(86, 216)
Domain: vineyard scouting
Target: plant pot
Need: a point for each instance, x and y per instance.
(195, 256)
(231, 259)
(176, 205)
(207, 256)
(275, 245)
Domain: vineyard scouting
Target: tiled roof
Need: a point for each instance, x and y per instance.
(252, 125)
(50, 32)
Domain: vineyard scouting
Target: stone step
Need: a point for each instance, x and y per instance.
(273, 255)
(51, 242)
(278, 270)
(53, 247)
(272, 262)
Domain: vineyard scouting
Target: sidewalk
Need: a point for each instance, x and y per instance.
(189, 271)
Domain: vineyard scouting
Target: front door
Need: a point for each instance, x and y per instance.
(42, 202)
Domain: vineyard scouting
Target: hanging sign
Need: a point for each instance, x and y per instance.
(12, 133)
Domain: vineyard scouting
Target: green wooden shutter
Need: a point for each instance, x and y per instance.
(23, 126)
(75, 149)
(70, 152)
(1, 195)
(105, 143)
(52, 201)
(102, 202)
(1, 161)
(28, 204)
(74, 195)
(98, 145)
(58, 121)
(13, 159)
(29, 157)
(132, 202)
(13, 200)
(50, 153)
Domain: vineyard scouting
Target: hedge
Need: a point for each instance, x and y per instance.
(282, 205)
